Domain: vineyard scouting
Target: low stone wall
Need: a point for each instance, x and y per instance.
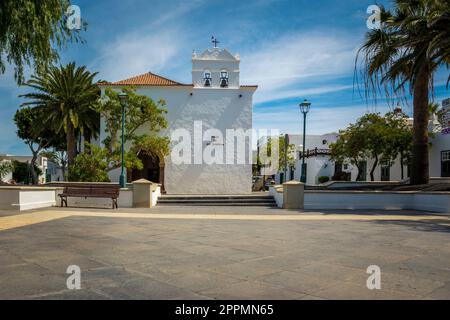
(438, 202)
(277, 193)
(26, 198)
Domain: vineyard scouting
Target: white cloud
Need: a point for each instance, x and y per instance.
(272, 95)
(180, 9)
(294, 59)
(136, 53)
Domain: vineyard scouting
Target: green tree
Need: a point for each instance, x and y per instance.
(32, 31)
(22, 172)
(26, 120)
(351, 146)
(404, 54)
(399, 139)
(90, 165)
(286, 156)
(65, 97)
(375, 137)
(141, 112)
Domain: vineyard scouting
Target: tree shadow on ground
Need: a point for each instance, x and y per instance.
(422, 225)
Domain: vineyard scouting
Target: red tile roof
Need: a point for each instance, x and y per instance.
(152, 80)
(146, 79)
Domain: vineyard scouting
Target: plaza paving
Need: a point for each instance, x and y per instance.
(223, 253)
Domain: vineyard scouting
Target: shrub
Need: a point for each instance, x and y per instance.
(341, 176)
(22, 172)
(90, 166)
(324, 179)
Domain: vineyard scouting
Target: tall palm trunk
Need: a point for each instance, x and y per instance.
(71, 143)
(420, 165)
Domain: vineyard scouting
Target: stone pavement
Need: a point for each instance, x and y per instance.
(223, 253)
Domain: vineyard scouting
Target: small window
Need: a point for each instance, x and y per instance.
(445, 155)
(207, 78)
(224, 79)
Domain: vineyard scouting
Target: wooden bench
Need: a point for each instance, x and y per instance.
(91, 191)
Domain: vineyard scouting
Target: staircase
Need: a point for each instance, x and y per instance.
(253, 200)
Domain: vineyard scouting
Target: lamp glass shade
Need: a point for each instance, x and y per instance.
(305, 106)
(123, 97)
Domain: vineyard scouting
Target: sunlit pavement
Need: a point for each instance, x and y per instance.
(223, 253)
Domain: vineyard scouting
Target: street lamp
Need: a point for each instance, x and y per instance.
(123, 97)
(304, 108)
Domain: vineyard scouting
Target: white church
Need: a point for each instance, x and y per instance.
(214, 103)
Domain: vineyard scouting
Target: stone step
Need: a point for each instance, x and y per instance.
(217, 200)
(215, 197)
(216, 204)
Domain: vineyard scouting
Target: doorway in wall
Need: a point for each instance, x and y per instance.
(385, 171)
(445, 164)
(152, 171)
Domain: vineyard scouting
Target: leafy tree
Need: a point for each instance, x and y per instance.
(31, 31)
(373, 130)
(399, 139)
(351, 146)
(404, 54)
(375, 137)
(26, 120)
(23, 172)
(90, 165)
(141, 112)
(65, 97)
(283, 162)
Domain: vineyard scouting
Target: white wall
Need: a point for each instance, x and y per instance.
(440, 143)
(26, 198)
(371, 200)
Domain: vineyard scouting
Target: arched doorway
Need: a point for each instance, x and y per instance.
(153, 169)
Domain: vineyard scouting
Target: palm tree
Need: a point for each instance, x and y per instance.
(412, 44)
(65, 95)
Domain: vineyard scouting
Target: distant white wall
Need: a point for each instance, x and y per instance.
(372, 200)
(440, 143)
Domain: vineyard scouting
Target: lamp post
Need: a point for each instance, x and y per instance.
(304, 108)
(123, 97)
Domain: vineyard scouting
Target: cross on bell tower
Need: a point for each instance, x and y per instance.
(214, 41)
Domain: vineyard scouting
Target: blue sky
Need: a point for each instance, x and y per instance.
(293, 49)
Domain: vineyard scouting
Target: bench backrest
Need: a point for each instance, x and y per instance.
(93, 190)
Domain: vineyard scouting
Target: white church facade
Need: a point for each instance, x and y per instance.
(214, 103)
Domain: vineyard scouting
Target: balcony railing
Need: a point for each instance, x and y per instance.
(315, 153)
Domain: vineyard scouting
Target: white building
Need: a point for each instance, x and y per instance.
(42, 163)
(440, 145)
(219, 101)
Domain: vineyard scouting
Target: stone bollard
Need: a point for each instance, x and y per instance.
(142, 193)
(293, 195)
